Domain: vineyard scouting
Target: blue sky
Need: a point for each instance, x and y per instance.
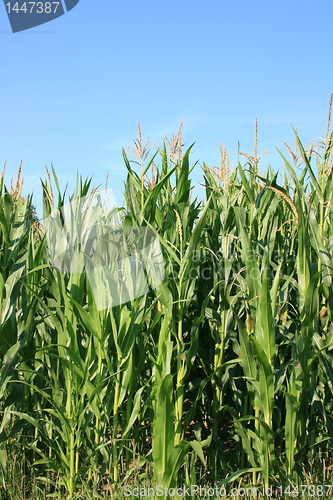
(74, 89)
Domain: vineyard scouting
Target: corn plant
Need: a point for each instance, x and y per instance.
(223, 367)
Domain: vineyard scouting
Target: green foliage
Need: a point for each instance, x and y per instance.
(225, 367)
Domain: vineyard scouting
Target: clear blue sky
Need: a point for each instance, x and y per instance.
(73, 90)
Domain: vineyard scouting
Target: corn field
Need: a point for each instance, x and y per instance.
(224, 370)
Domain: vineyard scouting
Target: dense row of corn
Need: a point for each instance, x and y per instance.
(224, 366)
